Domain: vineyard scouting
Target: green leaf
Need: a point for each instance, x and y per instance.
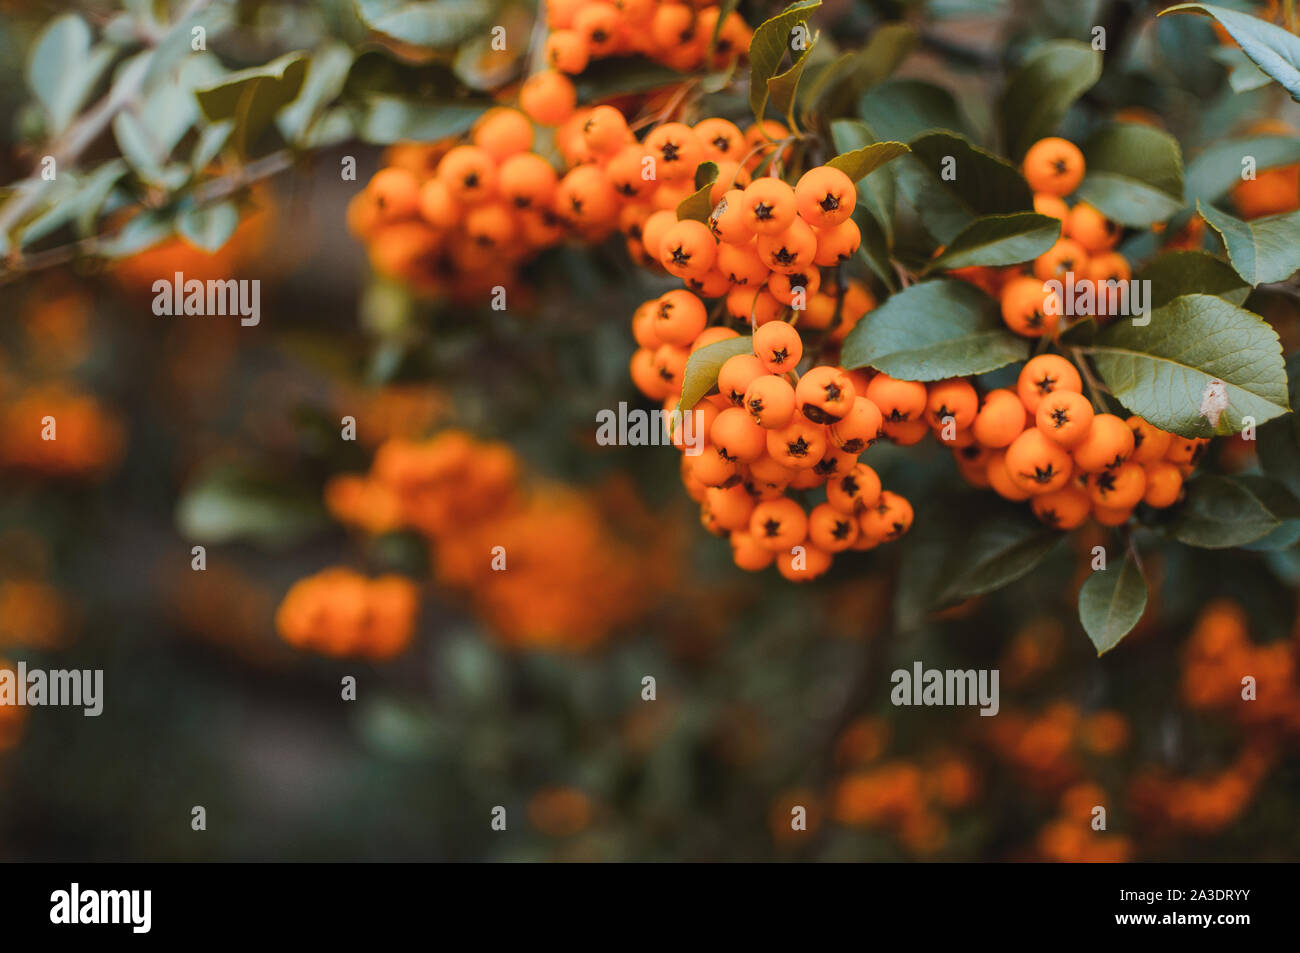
(1219, 513)
(621, 75)
(1271, 48)
(1218, 168)
(903, 109)
(842, 82)
(1262, 250)
(433, 23)
(934, 330)
(1111, 601)
(1282, 503)
(1178, 273)
(1243, 74)
(388, 119)
(323, 84)
(768, 47)
(142, 231)
(1160, 371)
(1135, 174)
(702, 368)
(1041, 91)
(875, 191)
(229, 504)
(210, 226)
(698, 205)
(860, 163)
(782, 88)
(951, 182)
(997, 240)
(252, 97)
(63, 70)
(1278, 441)
(993, 553)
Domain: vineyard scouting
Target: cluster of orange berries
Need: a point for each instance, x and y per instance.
(55, 431)
(1069, 838)
(1203, 804)
(545, 566)
(678, 35)
(12, 717)
(1049, 746)
(1220, 654)
(1043, 442)
(765, 433)
(339, 612)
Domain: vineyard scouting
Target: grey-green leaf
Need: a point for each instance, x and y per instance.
(1273, 49)
(1219, 167)
(768, 47)
(1160, 371)
(1177, 273)
(1040, 92)
(997, 240)
(860, 163)
(1219, 513)
(1263, 249)
(1135, 174)
(934, 330)
(1111, 602)
(210, 226)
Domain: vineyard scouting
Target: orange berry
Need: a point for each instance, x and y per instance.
(825, 196)
(1065, 257)
(906, 433)
(676, 150)
(898, 401)
(600, 25)
(770, 401)
(1043, 375)
(1065, 509)
(712, 336)
(1051, 206)
(748, 554)
(728, 222)
(853, 490)
(670, 364)
(789, 251)
(1108, 516)
(1036, 464)
(1025, 307)
(769, 206)
(437, 207)
(951, 399)
(624, 172)
(1186, 451)
(737, 437)
(395, 193)
(803, 566)
(1000, 420)
(1108, 443)
(824, 395)
(859, 428)
(503, 132)
(548, 97)
(1094, 231)
(1271, 192)
(837, 243)
(1065, 417)
(720, 139)
(653, 230)
(605, 131)
(830, 529)
(740, 264)
(778, 346)
(1117, 488)
(679, 317)
(490, 226)
(800, 445)
(470, 174)
(527, 181)
(794, 289)
(688, 248)
(1164, 484)
(887, 519)
(1054, 166)
(778, 525)
(1149, 443)
(566, 51)
(736, 374)
(645, 375)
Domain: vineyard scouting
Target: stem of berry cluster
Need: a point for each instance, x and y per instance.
(1089, 381)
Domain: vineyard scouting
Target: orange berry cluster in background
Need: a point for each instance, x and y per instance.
(340, 612)
(88, 438)
(1070, 838)
(12, 717)
(1044, 443)
(547, 566)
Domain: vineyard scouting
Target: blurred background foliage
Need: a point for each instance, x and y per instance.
(197, 430)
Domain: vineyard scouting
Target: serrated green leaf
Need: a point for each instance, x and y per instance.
(1219, 513)
(1111, 603)
(253, 97)
(1041, 91)
(783, 87)
(995, 553)
(433, 23)
(1160, 371)
(997, 240)
(1261, 250)
(876, 190)
(1218, 168)
(388, 119)
(934, 330)
(1135, 174)
(210, 226)
(860, 163)
(1178, 273)
(1271, 48)
(903, 109)
(951, 182)
(769, 46)
(698, 205)
(702, 368)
